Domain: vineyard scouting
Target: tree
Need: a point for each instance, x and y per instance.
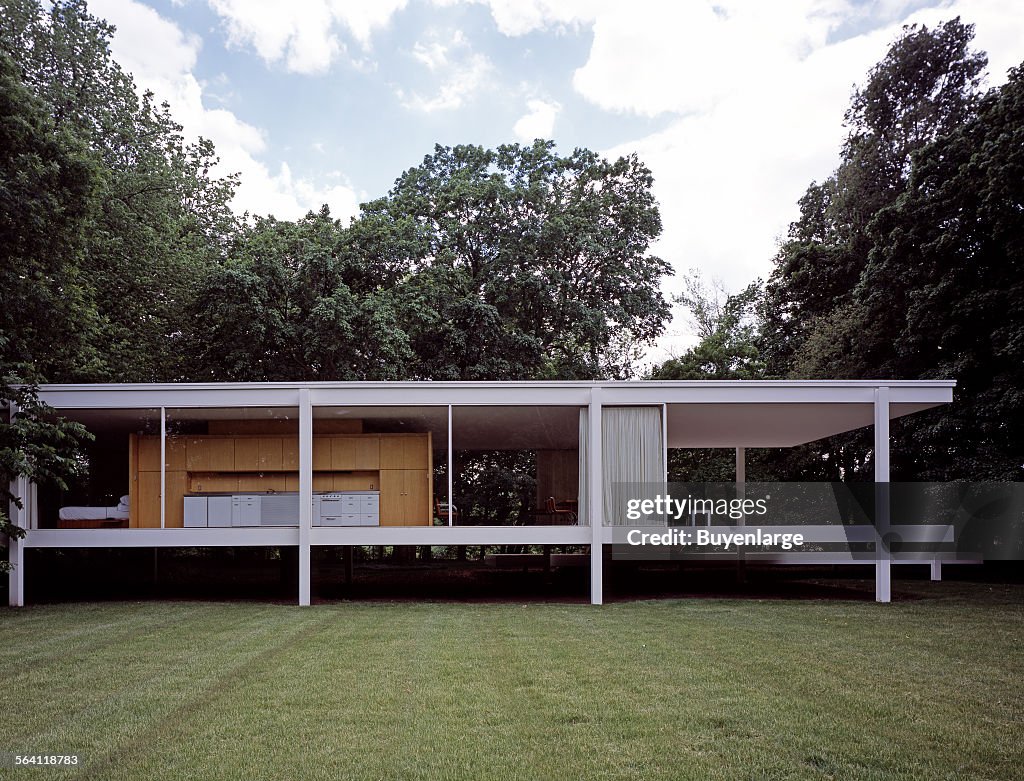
(479, 264)
(159, 219)
(33, 444)
(520, 263)
(927, 84)
(296, 301)
(850, 273)
(48, 316)
(942, 292)
(727, 328)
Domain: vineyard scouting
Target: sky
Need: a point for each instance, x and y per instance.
(735, 106)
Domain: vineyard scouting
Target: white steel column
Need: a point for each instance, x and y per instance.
(664, 440)
(741, 493)
(16, 577)
(15, 549)
(305, 493)
(595, 498)
(936, 569)
(451, 461)
(883, 558)
(163, 467)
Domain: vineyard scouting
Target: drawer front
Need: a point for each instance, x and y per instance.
(369, 519)
(350, 519)
(331, 520)
(350, 506)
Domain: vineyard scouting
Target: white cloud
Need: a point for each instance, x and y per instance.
(462, 73)
(161, 57)
(539, 122)
(286, 197)
(362, 17)
(146, 43)
(649, 57)
(304, 34)
(435, 54)
(519, 17)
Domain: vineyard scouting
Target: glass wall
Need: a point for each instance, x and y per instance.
(386, 466)
(236, 467)
(516, 465)
(98, 493)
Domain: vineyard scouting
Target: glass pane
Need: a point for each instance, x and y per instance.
(102, 493)
(232, 467)
(387, 465)
(516, 465)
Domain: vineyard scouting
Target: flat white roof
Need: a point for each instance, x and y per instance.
(700, 413)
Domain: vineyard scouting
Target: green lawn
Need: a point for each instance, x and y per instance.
(702, 689)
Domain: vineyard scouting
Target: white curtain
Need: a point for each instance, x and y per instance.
(583, 506)
(632, 458)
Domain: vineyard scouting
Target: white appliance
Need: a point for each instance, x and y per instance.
(347, 508)
(279, 510)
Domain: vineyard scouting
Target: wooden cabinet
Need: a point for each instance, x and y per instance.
(149, 453)
(355, 453)
(271, 454)
(174, 512)
(247, 456)
(367, 453)
(290, 454)
(149, 501)
(404, 497)
(144, 482)
(391, 453)
(321, 454)
(404, 451)
(210, 454)
(148, 513)
(343, 453)
(176, 455)
(397, 465)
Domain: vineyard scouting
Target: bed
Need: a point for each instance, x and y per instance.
(94, 517)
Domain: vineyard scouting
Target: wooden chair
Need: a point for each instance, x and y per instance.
(559, 515)
(441, 512)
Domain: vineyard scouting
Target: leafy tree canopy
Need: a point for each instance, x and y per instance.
(522, 263)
